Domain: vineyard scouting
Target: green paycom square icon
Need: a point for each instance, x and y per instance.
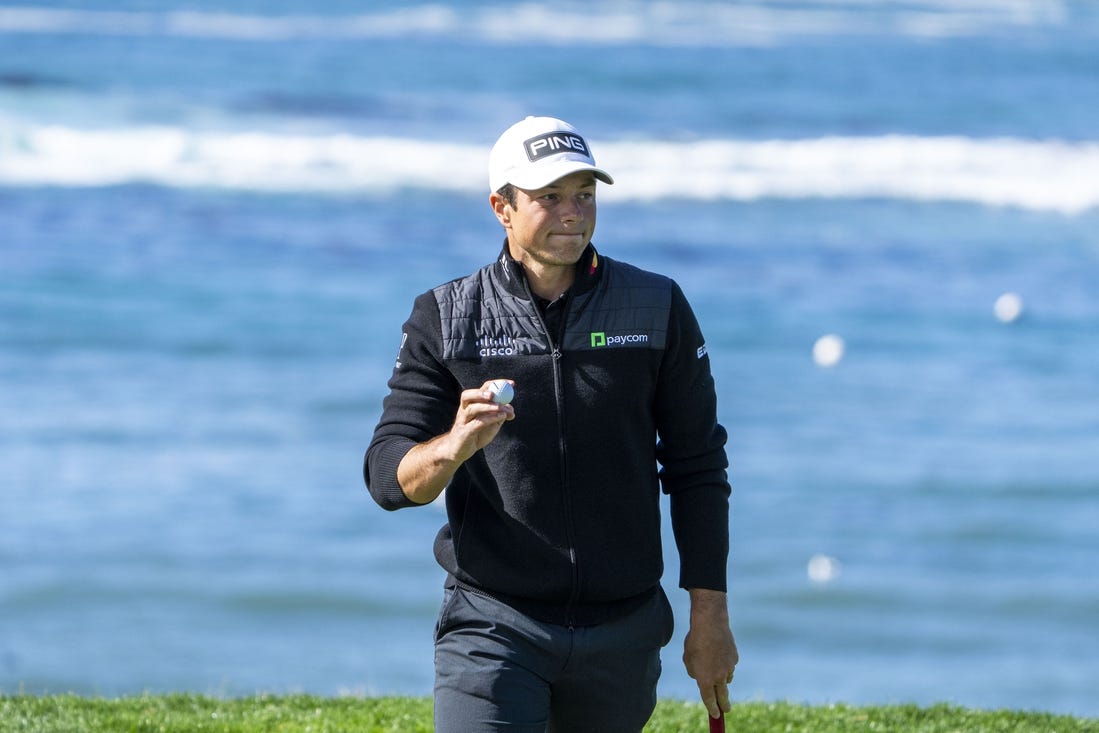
(598, 338)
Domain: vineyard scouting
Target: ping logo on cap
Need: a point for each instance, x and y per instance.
(551, 143)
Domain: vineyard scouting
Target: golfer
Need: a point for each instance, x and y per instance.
(553, 614)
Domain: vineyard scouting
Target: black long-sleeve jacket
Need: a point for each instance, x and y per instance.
(559, 515)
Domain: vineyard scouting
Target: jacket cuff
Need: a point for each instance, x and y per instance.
(700, 522)
(380, 473)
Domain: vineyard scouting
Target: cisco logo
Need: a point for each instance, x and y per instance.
(501, 346)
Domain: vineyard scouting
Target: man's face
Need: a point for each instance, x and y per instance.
(550, 226)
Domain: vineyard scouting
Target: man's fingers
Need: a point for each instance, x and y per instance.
(709, 699)
(716, 699)
(474, 396)
(723, 698)
(478, 403)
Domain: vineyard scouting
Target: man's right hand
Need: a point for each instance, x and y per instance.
(427, 469)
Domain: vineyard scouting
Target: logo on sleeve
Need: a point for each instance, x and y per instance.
(404, 340)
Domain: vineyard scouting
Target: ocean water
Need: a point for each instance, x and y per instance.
(213, 220)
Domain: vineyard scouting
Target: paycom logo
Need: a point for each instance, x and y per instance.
(600, 339)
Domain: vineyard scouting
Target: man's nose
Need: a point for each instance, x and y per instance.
(572, 210)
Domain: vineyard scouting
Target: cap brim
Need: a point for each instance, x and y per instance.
(545, 175)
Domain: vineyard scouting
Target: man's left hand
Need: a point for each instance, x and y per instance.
(709, 651)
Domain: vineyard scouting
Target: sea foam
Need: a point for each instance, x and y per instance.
(695, 23)
(1039, 175)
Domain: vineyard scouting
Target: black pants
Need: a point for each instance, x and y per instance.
(499, 670)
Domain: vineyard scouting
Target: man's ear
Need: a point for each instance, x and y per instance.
(501, 208)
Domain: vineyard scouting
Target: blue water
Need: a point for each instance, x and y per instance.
(213, 223)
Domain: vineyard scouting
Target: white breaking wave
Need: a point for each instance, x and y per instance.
(1039, 175)
(169, 156)
(623, 21)
(1054, 176)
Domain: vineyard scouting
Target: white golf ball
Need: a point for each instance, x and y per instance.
(502, 391)
(1008, 307)
(828, 350)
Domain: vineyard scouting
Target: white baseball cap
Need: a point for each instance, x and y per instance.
(537, 151)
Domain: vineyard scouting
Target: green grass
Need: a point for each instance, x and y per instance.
(179, 713)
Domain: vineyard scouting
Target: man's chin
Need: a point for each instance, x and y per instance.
(569, 243)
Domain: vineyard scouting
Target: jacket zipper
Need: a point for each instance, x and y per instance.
(559, 397)
(566, 497)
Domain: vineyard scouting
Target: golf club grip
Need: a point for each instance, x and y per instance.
(717, 725)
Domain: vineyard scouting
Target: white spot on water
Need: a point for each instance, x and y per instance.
(823, 569)
(1008, 307)
(828, 350)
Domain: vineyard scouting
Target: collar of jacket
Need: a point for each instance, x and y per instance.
(510, 273)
